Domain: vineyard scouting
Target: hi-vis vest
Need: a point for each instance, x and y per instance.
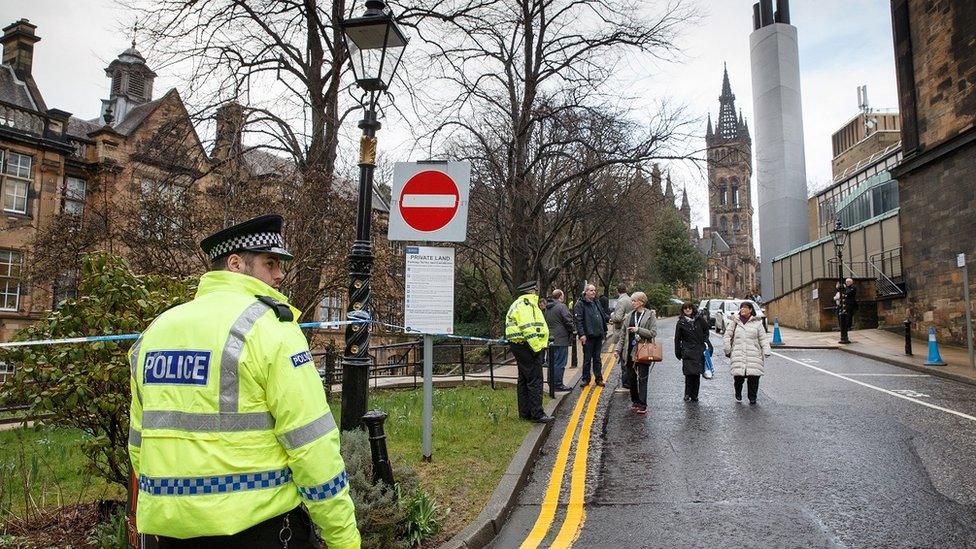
(229, 423)
(525, 323)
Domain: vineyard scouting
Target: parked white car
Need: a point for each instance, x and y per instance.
(729, 308)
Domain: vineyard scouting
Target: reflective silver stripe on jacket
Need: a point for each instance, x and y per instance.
(231, 357)
(135, 438)
(207, 423)
(134, 366)
(308, 433)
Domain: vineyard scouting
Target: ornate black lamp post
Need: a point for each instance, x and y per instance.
(839, 234)
(375, 44)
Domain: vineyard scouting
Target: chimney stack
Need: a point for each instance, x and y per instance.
(18, 46)
(230, 126)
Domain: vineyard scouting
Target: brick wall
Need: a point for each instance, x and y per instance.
(798, 309)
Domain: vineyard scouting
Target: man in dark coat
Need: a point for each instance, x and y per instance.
(690, 341)
(562, 334)
(848, 301)
(591, 327)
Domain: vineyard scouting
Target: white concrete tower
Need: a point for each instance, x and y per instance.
(781, 173)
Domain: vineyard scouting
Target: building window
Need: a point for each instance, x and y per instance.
(722, 194)
(6, 369)
(735, 193)
(10, 263)
(162, 204)
(736, 225)
(16, 181)
(330, 308)
(74, 195)
(65, 288)
(725, 225)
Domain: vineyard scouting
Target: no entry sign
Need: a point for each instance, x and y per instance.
(430, 201)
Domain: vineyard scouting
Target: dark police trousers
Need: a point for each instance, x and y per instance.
(529, 388)
(265, 535)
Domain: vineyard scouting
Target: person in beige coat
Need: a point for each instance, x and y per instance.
(747, 346)
(638, 325)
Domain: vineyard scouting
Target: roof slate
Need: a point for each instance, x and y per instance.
(13, 90)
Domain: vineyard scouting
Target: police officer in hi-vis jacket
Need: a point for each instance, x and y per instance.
(231, 438)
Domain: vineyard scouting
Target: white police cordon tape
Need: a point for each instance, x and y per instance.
(129, 337)
(363, 318)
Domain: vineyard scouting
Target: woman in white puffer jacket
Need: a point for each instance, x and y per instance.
(747, 345)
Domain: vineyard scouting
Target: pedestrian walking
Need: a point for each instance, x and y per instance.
(639, 325)
(562, 334)
(231, 438)
(528, 336)
(604, 304)
(690, 341)
(747, 347)
(623, 306)
(591, 328)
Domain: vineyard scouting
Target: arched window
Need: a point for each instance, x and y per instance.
(723, 189)
(736, 224)
(724, 223)
(735, 191)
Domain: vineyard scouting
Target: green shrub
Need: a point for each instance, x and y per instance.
(388, 518)
(87, 386)
(110, 534)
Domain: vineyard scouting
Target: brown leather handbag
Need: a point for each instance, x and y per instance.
(648, 352)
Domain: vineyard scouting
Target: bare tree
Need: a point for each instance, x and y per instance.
(531, 97)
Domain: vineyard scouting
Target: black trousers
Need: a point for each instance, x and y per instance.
(753, 386)
(626, 372)
(529, 387)
(264, 535)
(638, 382)
(591, 358)
(692, 384)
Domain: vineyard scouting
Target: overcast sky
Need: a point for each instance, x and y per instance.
(843, 44)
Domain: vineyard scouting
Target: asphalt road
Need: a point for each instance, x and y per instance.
(840, 451)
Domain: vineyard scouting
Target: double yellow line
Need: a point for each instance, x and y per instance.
(575, 512)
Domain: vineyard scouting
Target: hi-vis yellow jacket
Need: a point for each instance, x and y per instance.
(229, 423)
(525, 323)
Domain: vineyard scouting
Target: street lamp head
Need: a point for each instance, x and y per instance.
(839, 234)
(375, 44)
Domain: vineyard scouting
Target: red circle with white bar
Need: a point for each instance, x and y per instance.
(429, 201)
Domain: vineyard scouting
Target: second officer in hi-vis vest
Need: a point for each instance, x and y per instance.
(231, 438)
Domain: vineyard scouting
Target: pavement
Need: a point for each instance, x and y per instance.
(887, 347)
(840, 451)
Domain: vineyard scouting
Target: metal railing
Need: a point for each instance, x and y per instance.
(467, 361)
(880, 264)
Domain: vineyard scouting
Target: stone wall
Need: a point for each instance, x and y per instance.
(800, 310)
(935, 227)
(937, 82)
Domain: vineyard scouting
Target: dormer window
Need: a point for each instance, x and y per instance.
(117, 83)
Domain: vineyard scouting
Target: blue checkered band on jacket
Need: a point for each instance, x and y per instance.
(325, 491)
(247, 242)
(192, 486)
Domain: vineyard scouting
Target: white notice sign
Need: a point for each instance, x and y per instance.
(429, 290)
(961, 260)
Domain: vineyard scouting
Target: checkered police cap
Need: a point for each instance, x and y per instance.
(261, 234)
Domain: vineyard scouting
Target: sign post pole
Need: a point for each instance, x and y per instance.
(961, 262)
(428, 397)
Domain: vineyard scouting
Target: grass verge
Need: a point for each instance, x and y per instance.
(476, 431)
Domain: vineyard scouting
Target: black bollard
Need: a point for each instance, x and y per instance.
(382, 470)
(908, 337)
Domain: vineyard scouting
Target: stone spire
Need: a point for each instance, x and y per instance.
(709, 131)
(728, 124)
(669, 191)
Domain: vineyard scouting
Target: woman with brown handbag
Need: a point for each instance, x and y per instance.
(639, 330)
